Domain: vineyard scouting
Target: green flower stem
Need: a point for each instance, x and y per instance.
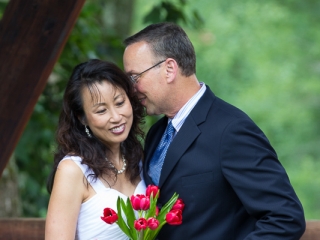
(141, 235)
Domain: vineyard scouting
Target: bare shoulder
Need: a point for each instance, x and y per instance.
(68, 182)
(65, 201)
(69, 172)
(68, 166)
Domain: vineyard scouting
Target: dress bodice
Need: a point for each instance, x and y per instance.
(89, 225)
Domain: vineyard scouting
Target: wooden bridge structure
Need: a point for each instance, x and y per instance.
(32, 36)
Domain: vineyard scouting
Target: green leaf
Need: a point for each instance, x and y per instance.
(153, 16)
(128, 210)
(121, 223)
(164, 210)
(151, 234)
(167, 207)
(153, 203)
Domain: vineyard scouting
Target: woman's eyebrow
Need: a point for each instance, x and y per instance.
(99, 104)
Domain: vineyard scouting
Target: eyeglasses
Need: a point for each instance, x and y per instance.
(134, 78)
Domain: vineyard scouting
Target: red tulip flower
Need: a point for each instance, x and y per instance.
(153, 223)
(140, 202)
(174, 217)
(140, 224)
(109, 216)
(152, 189)
(179, 204)
(150, 218)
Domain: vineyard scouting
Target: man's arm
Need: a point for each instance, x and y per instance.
(251, 166)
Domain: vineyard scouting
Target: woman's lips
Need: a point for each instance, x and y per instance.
(118, 129)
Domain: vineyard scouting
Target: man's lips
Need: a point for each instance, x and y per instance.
(142, 99)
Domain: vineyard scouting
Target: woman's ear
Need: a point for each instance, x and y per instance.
(171, 69)
(83, 120)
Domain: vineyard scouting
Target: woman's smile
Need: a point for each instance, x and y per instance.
(118, 129)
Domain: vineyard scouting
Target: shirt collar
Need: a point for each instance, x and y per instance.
(183, 113)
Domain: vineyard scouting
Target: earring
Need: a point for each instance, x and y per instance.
(87, 131)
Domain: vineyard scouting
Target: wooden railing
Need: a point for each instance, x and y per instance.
(22, 228)
(33, 229)
(312, 230)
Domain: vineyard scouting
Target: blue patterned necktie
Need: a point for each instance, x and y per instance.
(160, 153)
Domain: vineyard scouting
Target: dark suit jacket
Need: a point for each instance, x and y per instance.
(225, 170)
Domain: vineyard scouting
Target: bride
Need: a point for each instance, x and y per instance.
(99, 153)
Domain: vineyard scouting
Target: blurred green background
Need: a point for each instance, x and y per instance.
(261, 56)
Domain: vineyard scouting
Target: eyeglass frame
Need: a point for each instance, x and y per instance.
(135, 78)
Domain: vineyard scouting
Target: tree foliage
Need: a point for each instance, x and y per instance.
(261, 56)
(98, 33)
(264, 57)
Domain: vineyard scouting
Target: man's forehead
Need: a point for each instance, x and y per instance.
(136, 55)
(138, 49)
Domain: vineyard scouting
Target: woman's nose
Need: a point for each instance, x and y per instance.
(115, 115)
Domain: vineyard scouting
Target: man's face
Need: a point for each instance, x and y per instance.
(150, 85)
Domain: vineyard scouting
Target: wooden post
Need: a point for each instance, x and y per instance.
(32, 36)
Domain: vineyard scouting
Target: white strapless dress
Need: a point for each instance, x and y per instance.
(90, 226)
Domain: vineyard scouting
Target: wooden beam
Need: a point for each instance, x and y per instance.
(33, 34)
(22, 228)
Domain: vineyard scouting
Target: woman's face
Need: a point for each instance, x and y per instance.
(108, 113)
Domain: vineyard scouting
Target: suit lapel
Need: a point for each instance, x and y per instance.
(187, 134)
(184, 138)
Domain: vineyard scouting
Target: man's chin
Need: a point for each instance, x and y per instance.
(151, 112)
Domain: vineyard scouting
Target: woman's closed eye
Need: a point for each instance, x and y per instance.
(119, 104)
(102, 110)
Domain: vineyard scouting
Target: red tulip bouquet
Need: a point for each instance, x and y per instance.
(150, 220)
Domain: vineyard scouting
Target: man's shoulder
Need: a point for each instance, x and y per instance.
(212, 104)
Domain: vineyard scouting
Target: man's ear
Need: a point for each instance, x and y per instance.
(172, 69)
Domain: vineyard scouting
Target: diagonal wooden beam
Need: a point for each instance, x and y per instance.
(32, 36)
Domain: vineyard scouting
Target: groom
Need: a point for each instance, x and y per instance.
(208, 151)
